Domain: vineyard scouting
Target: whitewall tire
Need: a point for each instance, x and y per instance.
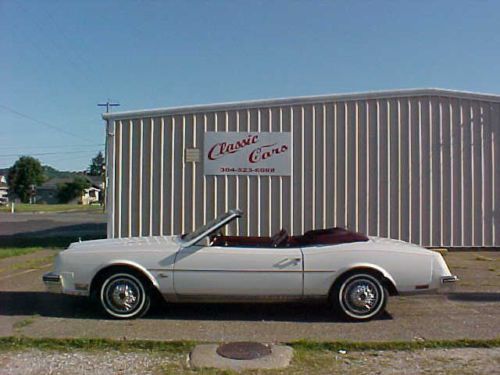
(124, 295)
(360, 296)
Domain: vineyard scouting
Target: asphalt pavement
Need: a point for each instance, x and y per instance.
(45, 224)
(470, 311)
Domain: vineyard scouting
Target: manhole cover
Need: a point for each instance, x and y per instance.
(243, 350)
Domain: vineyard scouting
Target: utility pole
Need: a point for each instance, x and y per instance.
(108, 104)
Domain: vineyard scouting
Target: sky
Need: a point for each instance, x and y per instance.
(59, 59)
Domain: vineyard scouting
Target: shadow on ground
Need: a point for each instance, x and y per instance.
(474, 297)
(62, 306)
(45, 304)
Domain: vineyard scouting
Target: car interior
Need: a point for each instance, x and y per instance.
(329, 236)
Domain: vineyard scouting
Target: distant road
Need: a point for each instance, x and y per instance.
(52, 224)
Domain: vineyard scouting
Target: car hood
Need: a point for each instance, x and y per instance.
(129, 243)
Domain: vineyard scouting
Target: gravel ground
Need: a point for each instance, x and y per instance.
(79, 362)
(435, 361)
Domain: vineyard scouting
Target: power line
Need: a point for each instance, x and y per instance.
(44, 123)
(77, 64)
(81, 58)
(52, 147)
(49, 153)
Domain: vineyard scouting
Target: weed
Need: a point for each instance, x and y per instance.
(17, 251)
(34, 263)
(483, 258)
(24, 323)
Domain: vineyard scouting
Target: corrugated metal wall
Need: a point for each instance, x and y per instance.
(424, 169)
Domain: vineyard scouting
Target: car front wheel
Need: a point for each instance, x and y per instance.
(360, 296)
(124, 295)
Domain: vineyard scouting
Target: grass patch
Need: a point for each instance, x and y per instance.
(20, 343)
(25, 207)
(393, 345)
(16, 251)
(34, 264)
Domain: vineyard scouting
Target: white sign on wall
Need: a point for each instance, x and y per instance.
(242, 153)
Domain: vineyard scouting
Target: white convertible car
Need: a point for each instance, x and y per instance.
(354, 273)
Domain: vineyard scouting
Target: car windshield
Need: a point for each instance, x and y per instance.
(211, 225)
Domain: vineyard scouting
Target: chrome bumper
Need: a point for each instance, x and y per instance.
(53, 282)
(449, 279)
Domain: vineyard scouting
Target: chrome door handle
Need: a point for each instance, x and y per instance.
(287, 262)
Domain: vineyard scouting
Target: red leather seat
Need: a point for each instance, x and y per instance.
(330, 236)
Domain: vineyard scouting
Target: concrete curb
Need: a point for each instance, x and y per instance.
(205, 355)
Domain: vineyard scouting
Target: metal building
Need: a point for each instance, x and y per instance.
(418, 165)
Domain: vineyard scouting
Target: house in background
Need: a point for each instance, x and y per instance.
(90, 196)
(96, 181)
(4, 191)
(48, 192)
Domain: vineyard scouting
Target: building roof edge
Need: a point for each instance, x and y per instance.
(250, 104)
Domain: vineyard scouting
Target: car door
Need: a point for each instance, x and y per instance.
(221, 271)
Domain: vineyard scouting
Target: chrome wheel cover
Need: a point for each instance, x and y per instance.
(122, 295)
(361, 296)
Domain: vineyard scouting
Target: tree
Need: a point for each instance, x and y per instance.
(71, 190)
(23, 175)
(96, 167)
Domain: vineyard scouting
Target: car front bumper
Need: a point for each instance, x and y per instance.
(64, 283)
(53, 282)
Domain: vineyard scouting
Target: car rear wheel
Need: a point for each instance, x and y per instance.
(124, 295)
(360, 297)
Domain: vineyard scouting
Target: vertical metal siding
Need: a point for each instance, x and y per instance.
(424, 169)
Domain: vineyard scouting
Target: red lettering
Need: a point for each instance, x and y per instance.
(264, 152)
(218, 150)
